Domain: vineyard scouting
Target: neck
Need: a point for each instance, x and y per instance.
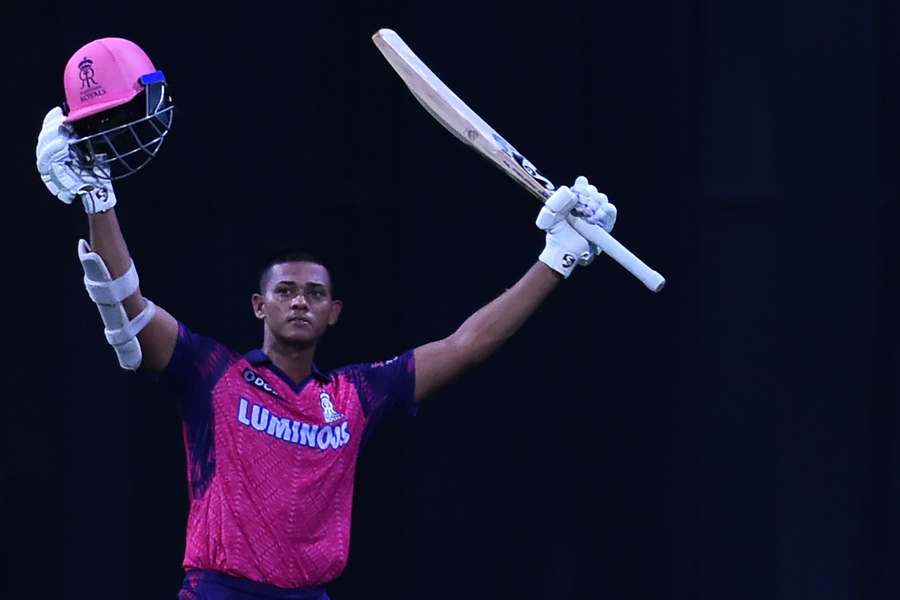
(296, 361)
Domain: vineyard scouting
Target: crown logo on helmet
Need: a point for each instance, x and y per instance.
(86, 68)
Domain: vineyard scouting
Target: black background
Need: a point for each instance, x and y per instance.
(732, 437)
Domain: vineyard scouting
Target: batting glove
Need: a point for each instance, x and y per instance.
(592, 206)
(565, 248)
(59, 174)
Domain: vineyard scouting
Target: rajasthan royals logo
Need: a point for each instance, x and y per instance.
(90, 89)
(328, 408)
(86, 67)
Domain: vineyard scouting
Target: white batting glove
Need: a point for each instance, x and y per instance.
(565, 248)
(60, 176)
(592, 206)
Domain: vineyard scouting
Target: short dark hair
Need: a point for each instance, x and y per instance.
(294, 254)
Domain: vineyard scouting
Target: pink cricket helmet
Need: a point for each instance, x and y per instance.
(117, 105)
(103, 74)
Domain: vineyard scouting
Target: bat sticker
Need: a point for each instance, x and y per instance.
(523, 162)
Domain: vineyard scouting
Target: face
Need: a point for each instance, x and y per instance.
(296, 304)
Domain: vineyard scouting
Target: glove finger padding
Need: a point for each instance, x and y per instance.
(592, 206)
(54, 114)
(556, 208)
(580, 182)
(62, 178)
(611, 212)
(51, 149)
(50, 125)
(51, 131)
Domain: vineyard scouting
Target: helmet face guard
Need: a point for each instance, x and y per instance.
(119, 141)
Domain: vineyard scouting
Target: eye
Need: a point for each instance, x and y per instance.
(281, 291)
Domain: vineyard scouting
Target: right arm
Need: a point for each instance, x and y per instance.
(158, 338)
(159, 335)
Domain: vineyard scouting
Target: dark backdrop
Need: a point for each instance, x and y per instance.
(732, 437)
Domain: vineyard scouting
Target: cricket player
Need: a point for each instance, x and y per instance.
(271, 440)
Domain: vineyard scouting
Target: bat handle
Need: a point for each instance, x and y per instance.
(619, 253)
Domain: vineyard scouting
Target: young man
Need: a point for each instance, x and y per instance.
(271, 440)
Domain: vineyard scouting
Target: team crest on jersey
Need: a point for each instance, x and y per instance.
(328, 411)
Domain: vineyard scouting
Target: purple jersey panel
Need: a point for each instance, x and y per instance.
(271, 462)
(195, 366)
(385, 389)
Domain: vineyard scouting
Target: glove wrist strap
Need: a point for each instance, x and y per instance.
(558, 259)
(97, 199)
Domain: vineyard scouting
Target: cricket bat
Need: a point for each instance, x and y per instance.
(472, 130)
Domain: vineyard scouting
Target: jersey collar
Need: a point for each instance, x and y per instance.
(258, 357)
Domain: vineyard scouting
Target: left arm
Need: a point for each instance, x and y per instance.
(438, 363)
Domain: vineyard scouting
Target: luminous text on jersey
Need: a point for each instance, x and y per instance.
(295, 432)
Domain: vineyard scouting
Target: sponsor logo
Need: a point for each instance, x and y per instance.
(254, 379)
(568, 260)
(327, 437)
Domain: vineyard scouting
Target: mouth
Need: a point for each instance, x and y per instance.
(301, 321)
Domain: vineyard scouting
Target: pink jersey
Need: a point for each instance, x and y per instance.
(271, 464)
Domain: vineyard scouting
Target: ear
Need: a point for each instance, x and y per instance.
(336, 306)
(256, 301)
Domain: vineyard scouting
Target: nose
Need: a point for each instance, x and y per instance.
(298, 301)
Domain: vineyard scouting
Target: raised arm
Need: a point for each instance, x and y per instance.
(112, 281)
(158, 337)
(439, 362)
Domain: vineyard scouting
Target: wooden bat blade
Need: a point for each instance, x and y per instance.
(451, 112)
(455, 115)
